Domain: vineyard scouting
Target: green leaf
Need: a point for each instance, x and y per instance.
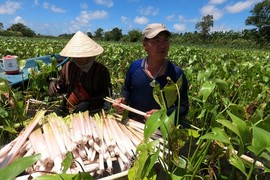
(18, 166)
(179, 162)
(152, 124)
(168, 125)
(157, 94)
(238, 163)
(10, 130)
(137, 171)
(170, 92)
(206, 89)
(124, 118)
(151, 161)
(241, 129)
(223, 85)
(217, 134)
(4, 87)
(67, 162)
(79, 176)
(260, 141)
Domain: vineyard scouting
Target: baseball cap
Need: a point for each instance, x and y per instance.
(154, 29)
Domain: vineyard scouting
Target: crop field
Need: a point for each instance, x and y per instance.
(229, 94)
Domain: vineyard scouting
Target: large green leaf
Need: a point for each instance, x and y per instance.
(206, 89)
(18, 166)
(217, 134)
(260, 141)
(237, 162)
(137, 171)
(152, 124)
(239, 127)
(79, 176)
(167, 126)
(157, 94)
(170, 91)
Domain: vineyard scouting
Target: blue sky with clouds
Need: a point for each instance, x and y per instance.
(54, 17)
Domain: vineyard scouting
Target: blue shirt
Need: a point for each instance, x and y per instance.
(139, 93)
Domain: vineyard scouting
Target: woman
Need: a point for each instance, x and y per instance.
(84, 81)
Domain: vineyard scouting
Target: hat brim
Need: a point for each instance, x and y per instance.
(156, 32)
(80, 45)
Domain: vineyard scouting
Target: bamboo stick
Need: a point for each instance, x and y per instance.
(125, 106)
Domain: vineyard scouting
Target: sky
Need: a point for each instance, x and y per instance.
(55, 17)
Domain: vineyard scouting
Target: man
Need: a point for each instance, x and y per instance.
(85, 81)
(143, 74)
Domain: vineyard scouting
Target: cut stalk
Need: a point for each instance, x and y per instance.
(38, 142)
(15, 149)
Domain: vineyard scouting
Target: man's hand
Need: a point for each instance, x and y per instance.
(116, 106)
(149, 113)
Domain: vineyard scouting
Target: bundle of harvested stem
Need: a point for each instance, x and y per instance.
(95, 142)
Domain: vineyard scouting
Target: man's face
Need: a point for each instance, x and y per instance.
(158, 46)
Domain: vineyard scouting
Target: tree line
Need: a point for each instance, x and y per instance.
(258, 36)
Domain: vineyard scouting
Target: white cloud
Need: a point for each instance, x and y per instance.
(217, 1)
(141, 20)
(179, 27)
(149, 11)
(84, 5)
(46, 5)
(212, 10)
(9, 7)
(36, 2)
(18, 19)
(239, 6)
(57, 9)
(124, 19)
(108, 3)
(221, 28)
(170, 18)
(183, 19)
(84, 19)
(53, 8)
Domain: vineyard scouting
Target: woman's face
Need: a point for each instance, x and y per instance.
(84, 60)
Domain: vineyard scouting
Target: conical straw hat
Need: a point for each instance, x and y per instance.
(80, 45)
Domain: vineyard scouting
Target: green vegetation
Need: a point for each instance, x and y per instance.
(258, 37)
(229, 103)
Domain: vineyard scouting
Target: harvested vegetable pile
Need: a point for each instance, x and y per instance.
(94, 142)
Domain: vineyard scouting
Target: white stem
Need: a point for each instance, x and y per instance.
(13, 152)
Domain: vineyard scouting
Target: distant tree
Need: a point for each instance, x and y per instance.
(205, 25)
(108, 36)
(1, 26)
(134, 35)
(19, 27)
(261, 19)
(116, 34)
(99, 33)
(89, 34)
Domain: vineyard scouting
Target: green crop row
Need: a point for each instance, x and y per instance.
(228, 88)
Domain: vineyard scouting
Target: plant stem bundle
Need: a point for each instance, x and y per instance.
(95, 142)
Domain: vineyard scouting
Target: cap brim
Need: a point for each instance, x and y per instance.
(156, 32)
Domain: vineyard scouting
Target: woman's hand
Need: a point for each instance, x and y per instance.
(54, 88)
(116, 106)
